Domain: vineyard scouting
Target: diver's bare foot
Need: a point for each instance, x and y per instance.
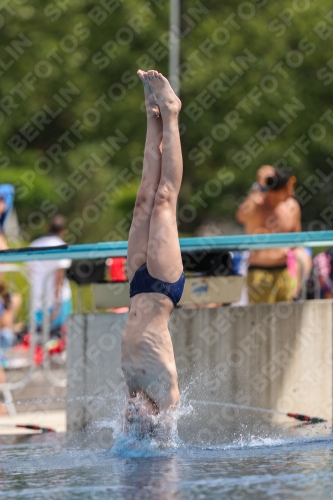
(166, 99)
(153, 111)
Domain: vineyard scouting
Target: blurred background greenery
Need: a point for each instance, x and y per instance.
(69, 83)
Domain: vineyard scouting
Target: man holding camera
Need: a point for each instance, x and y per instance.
(270, 207)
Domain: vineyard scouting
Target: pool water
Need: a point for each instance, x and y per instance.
(53, 466)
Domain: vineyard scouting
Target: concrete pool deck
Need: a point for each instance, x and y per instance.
(55, 419)
(37, 403)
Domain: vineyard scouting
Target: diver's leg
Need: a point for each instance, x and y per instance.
(164, 258)
(139, 232)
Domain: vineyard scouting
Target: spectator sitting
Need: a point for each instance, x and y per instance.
(57, 293)
(9, 303)
(270, 208)
(7, 192)
(9, 307)
(323, 262)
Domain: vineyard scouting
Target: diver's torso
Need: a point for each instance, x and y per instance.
(147, 353)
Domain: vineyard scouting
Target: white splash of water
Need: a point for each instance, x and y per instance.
(161, 441)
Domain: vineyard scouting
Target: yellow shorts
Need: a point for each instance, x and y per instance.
(269, 285)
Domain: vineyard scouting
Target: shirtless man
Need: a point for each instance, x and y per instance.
(270, 208)
(155, 269)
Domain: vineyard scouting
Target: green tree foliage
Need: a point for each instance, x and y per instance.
(256, 86)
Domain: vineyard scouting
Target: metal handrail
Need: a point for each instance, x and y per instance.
(119, 248)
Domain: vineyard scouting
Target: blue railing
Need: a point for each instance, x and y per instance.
(119, 248)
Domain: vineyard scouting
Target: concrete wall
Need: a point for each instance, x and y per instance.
(271, 356)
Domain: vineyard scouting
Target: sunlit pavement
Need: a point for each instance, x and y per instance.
(55, 420)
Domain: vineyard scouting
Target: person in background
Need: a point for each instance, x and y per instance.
(304, 264)
(57, 292)
(9, 305)
(270, 207)
(323, 263)
(7, 193)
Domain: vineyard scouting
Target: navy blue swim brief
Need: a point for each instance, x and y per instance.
(143, 282)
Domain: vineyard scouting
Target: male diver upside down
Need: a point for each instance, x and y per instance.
(155, 269)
